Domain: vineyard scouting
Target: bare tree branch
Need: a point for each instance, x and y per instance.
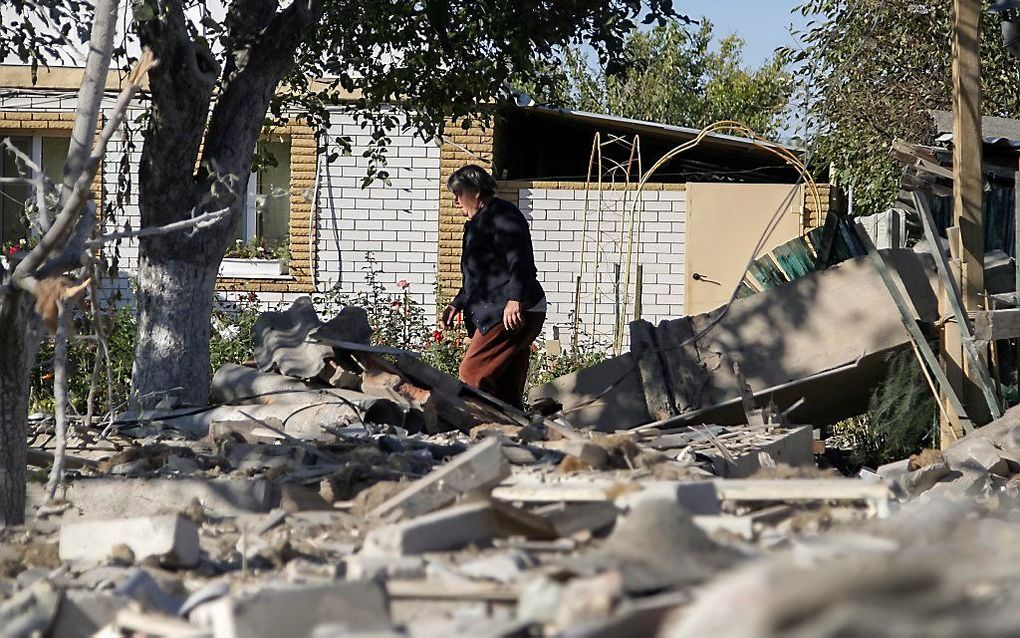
(25, 274)
(194, 224)
(60, 399)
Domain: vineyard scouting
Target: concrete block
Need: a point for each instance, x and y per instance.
(83, 613)
(174, 537)
(453, 528)
(347, 608)
(362, 567)
(696, 497)
(102, 499)
(592, 454)
(482, 466)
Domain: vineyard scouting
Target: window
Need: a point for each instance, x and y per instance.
(49, 153)
(266, 218)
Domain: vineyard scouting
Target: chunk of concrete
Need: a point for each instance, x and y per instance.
(173, 537)
(362, 567)
(696, 497)
(656, 546)
(480, 467)
(104, 498)
(979, 454)
(594, 455)
(455, 527)
(83, 613)
(347, 607)
(923, 478)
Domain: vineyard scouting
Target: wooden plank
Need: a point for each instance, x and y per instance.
(979, 370)
(655, 379)
(800, 490)
(796, 258)
(958, 414)
(765, 271)
(994, 325)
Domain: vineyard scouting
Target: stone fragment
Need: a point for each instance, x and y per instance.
(482, 466)
(173, 538)
(453, 528)
(593, 455)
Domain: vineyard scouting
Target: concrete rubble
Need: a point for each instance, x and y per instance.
(447, 513)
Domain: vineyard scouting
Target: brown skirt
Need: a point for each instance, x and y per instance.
(497, 361)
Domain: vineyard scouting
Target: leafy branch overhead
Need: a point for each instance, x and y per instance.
(873, 70)
(674, 74)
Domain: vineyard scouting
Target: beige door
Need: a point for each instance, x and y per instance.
(724, 222)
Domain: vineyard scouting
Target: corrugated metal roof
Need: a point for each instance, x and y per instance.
(993, 129)
(645, 127)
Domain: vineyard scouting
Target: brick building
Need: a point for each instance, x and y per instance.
(604, 254)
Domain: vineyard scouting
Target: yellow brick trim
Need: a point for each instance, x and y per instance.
(301, 223)
(811, 218)
(460, 146)
(580, 185)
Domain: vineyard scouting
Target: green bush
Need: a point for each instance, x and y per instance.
(900, 420)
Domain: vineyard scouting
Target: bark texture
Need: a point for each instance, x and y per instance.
(177, 273)
(19, 340)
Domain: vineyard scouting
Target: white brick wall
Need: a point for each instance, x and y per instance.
(558, 230)
(399, 224)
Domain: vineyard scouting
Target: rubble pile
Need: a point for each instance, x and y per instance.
(365, 493)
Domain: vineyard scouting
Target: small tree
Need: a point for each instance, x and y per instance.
(219, 81)
(872, 71)
(671, 74)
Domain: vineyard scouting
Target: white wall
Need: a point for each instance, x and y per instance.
(557, 229)
(397, 223)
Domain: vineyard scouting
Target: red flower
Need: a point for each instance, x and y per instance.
(403, 283)
(395, 304)
(437, 335)
(252, 297)
(13, 250)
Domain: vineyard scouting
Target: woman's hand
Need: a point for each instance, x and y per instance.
(450, 317)
(512, 318)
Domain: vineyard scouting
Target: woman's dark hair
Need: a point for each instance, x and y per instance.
(474, 179)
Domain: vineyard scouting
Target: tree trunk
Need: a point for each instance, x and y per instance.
(18, 342)
(174, 312)
(177, 274)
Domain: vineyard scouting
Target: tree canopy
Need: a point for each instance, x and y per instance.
(873, 70)
(673, 74)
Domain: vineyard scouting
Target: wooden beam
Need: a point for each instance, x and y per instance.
(995, 325)
(967, 185)
(967, 199)
(978, 369)
(960, 421)
(1016, 234)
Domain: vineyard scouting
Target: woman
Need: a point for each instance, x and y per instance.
(501, 300)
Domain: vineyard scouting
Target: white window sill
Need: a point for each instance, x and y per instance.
(252, 269)
(223, 275)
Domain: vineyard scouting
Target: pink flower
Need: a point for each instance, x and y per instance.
(403, 283)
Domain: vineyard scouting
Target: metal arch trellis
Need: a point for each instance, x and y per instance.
(602, 169)
(604, 174)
